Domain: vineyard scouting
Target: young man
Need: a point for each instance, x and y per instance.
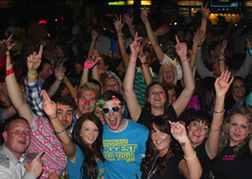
(17, 135)
(124, 141)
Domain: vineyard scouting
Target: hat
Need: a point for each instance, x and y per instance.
(249, 99)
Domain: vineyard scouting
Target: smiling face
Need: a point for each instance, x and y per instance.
(168, 74)
(238, 129)
(17, 137)
(161, 140)
(112, 84)
(238, 89)
(65, 114)
(114, 118)
(89, 132)
(197, 132)
(157, 96)
(86, 102)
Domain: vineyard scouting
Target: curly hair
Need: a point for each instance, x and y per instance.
(160, 74)
(89, 166)
(162, 124)
(225, 133)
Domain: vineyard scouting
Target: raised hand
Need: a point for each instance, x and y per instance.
(127, 19)
(118, 23)
(36, 166)
(162, 30)
(48, 106)
(135, 45)
(181, 49)
(196, 37)
(34, 60)
(142, 55)
(223, 83)
(94, 34)
(178, 131)
(205, 11)
(59, 74)
(223, 46)
(6, 44)
(144, 14)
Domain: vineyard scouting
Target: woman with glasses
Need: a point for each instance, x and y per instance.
(83, 151)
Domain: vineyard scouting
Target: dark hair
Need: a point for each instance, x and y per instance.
(212, 46)
(107, 61)
(199, 116)
(206, 93)
(9, 121)
(43, 62)
(89, 168)
(108, 95)
(64, 47)
(162, 124)
(147, 105)
(236, 78)
(67, 100)
(169, 85)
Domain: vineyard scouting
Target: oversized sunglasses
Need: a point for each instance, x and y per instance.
(114, 109)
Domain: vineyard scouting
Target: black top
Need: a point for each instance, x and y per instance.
(226, 165)
(146, 116)
(172, 170)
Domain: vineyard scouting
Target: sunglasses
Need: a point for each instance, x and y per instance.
(114, 109)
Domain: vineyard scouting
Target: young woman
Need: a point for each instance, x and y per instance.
(83, 151)
(161, 160)
(204, 131)
(235, 158)
(168, 73)
(156, 97)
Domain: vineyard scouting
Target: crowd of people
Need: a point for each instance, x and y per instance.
(167, 102)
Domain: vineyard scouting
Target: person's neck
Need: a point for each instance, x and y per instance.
(157, 111)
(236, 98)
(122, 126)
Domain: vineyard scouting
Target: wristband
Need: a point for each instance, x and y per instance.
(60, 131)
(184, 60)
(133, 56)
(9, 72)
(132, 62)
(32, 76)
(193, 53)
(219, 112)
(200, 45)
(119, 34)
(53, 118)
(71, 89)
(9, 68)
(221, 59)
(191, 157)
(203, 28)
(154, 34)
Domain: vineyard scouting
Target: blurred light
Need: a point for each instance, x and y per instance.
(175, 23)
(62, 18)
(48, 35)
(145, 3)
(56, 20)
(42, 22)
(235, 24)
(119, 3)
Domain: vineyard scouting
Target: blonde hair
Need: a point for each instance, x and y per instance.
(89, 86)
(225, 133)
(160, 74)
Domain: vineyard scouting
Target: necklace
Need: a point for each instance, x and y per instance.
(151, 172)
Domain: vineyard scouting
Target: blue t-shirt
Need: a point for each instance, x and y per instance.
(123, 150)
(74, 169)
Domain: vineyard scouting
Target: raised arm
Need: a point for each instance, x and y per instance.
(130, 95)
(221, 59)
(190, 167)
(180, 104)
(92, 45)
(221, 87)
(205, 14)
(54, 87)
(145, 68)
(151, 36)
(128, 20)
(118, 23)
(72, 90)
(15, 93)
(50, 109)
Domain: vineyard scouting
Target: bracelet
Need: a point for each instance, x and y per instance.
(53, 118)
(9, 72)
(191, 157)
(221, 59)
(32, 76)
(193, 53)
(154, 33)
(60, 131)
(221, 53)
(119, 34)
(133, 56)
(132, 62)
(9, 68)
(203, 28)
(200, 45)
(219, 112)
(71, 89)
(184, 60)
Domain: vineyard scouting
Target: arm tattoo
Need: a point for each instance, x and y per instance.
(183, 144)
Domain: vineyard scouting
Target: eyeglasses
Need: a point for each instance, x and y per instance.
(115, 109)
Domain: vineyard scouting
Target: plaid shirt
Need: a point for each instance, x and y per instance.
(35, 97)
